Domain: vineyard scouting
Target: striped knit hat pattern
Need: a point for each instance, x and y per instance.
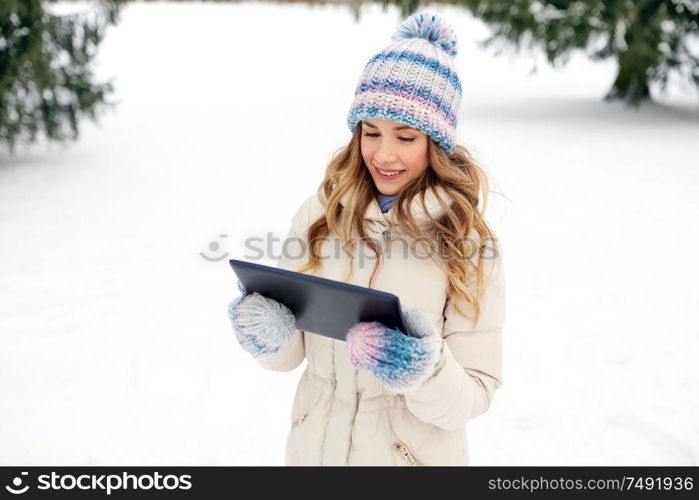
(413, 81)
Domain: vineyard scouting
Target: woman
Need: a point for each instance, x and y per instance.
(405, 197)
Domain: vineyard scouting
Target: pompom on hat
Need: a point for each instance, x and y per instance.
(413, 81)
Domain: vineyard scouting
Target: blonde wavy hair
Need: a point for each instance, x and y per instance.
(461, 178)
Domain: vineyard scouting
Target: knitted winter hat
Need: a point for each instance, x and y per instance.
(413, 81)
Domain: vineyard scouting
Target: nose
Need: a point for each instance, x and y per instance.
(385, 153)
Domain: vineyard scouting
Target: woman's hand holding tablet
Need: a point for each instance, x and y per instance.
(400, 361)
(261, 325)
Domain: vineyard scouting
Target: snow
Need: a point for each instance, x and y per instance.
(115, 346)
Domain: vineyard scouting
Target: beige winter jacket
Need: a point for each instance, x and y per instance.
(345, 416)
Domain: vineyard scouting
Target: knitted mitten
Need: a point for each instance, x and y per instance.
(402, 362)
(261, 325)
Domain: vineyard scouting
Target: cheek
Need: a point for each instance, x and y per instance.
(366, 152)
(416, 161)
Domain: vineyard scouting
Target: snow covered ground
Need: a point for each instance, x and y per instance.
(115, 346)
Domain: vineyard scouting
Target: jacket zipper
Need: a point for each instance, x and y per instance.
(405, 453)
(300, 421)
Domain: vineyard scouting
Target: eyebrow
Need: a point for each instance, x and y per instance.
(394, 128)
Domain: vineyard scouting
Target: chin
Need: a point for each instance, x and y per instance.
(387, 191)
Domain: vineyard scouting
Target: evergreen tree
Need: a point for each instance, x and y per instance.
(46, 80)
(650, 39)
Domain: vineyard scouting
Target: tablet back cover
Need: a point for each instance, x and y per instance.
(321, 306)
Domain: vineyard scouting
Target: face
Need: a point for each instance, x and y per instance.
(394, 153)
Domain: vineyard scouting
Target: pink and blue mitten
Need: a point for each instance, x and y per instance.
(402, 362)
(261, 324)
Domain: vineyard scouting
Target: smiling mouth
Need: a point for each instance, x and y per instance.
(389, 174)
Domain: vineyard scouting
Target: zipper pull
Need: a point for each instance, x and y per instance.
(403, 452)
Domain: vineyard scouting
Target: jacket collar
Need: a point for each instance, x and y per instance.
(379, 222)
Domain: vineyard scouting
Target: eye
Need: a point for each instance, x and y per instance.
(404, 139)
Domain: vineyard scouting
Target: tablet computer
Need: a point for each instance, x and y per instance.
(322, 306)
